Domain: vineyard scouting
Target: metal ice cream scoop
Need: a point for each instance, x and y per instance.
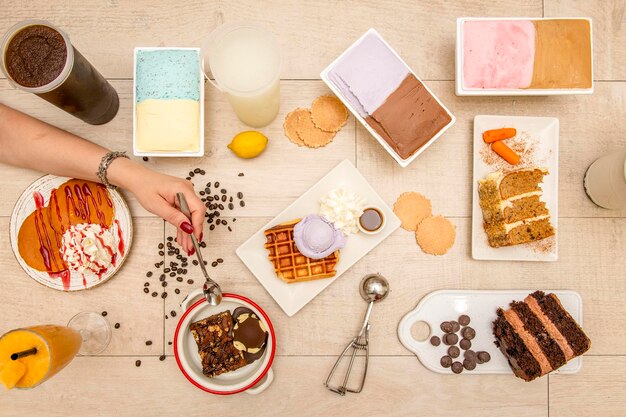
(373, 288)
(211, 289)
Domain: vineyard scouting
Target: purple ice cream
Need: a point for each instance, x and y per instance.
(316, 237)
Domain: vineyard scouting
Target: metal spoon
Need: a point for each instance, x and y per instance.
(373, 288)
(211, 289)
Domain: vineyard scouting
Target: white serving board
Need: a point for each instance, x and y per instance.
(402, 162)
(292, 297)
(481, 306)
(544, 131)
(462, 91)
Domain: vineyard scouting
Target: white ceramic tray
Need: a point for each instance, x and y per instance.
(403, 162)
(462, 91)
(481, 306)
(292, 297)
(137, 152)
(25, 205)
(542, 134)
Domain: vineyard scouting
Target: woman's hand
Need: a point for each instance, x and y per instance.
(156, 192)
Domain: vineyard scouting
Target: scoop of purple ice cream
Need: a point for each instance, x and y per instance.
(316, 237)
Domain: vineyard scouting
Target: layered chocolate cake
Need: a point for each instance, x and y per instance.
(538, 335)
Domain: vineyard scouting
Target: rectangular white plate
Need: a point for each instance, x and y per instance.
(403, 162)
(462, 91)
(481, 306)
(545, 130)
(137, 152)
(292, 297)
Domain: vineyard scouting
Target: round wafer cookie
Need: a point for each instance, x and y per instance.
(435, 235)
(311, 135)
(328, 113)
(291, 122)
(411, 208)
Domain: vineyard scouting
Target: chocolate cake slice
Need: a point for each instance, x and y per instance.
(213, 336)
(538, 335)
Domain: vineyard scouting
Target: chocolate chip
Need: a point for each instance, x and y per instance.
(468, 364)
(104, 314)
(148, 342)
(117, 325)
(470, 354)
(145, 159)
(483, 357)
(146, 290)
(454, 351)
(137, 363)
(457, 367)
(435, 341)
(154, 294)
(446, 327)
(465, 344)
(450, 339)
(162, 358)
(455, 326)
(468, 333)
(446, 361)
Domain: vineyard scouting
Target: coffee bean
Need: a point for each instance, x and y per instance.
(162, 358)
(161, 253)
(224, 199)
(188, 178)
(190, 281)
(166, 317)
(205, 262)
(483, 357)
(218, 222)
(184, 272)
(219, 260)
(212, 227)
(446, 361)
(455, 326)
(457, 367)
(470, 354)
(454, 351)
(229, 229)
(214, 264)
(231, 206)
(166, 270)
(177, 291)
(117, 325)
(154, 294)
(435, 341)
(242, 203)
(450, 339)
(148, 342)
(169, 343)
(164, 284)
(197, 170)
(173, 313)
(221, 206)
(162, 277)
(146, 290)
(202, 172)
(465, 344)
(149, 274)
(170, 238)
(172, 274)
(179, 279)
(146, 284)
(137, 363)
(157, 265)
(216, 184)
(191, 174)
(234, 220)
(164, 295)
(145, 158)
(203, 245)
(464, 320)
(468, 333)
(230, 199)
(469, 364)
(240, 174)
(202, 193)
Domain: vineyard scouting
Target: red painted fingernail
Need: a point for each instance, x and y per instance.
(191, 252)
(186, 227)
(201, 236)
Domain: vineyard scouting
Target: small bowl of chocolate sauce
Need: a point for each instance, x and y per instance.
(371, 221)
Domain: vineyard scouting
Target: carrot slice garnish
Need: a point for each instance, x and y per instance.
(495, 135)
(505, 152)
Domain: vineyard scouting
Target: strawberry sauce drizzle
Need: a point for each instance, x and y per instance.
(120, 237)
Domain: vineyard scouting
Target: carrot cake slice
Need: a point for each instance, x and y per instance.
(513, 211)
(538, 335)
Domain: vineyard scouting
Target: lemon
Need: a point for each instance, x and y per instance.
(249, 144)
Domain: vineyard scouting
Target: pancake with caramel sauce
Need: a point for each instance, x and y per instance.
(39, 244)
(79, 201)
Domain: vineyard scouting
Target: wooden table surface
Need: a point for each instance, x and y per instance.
(592, 241)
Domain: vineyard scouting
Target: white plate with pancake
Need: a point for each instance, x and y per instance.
(122, 230)
(292, 297)
(481, 306)
(539, 138)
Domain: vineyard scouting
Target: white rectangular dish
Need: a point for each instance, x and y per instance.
(138, 152)
(481, 306)
(461, 90)
(542, 137)
(292, 297)
(403, 162)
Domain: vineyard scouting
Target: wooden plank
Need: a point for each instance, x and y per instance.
(158, 388)
(445, 168)
(596, 390)
(265, 186)
(311, 34)
(609, 32)
(27, 303)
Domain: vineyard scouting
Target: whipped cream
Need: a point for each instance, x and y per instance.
(316, 237)
(88, 248)
(343, 208)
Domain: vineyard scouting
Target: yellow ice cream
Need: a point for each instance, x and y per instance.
(168, 126)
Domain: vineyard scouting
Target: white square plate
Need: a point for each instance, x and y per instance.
(544, 132)
(292, 297)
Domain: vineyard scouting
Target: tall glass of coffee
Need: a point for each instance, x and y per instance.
(38, 57)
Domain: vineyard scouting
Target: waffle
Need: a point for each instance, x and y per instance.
(289, 264)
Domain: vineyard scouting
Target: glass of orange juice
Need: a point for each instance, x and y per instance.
(31, 355)
(244, 59)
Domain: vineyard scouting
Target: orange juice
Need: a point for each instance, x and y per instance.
(56, 346)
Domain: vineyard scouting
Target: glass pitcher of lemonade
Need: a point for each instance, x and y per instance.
(245, 62)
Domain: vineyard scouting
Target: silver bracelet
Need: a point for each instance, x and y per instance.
(104, 166)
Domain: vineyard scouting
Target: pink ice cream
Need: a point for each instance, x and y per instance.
(498, 53)
(316, 237)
